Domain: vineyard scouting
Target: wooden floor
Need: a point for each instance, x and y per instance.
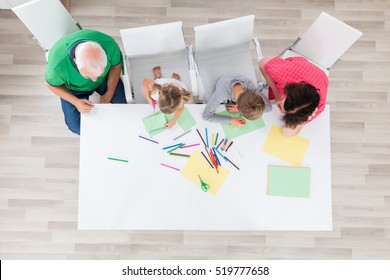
(39, 157)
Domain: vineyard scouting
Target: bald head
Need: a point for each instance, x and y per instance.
(91, 60)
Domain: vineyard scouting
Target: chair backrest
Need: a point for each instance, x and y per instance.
(223, 48)
(153, 40)
(160, 44)
(48, 21)
(326, 40)
(223, 34)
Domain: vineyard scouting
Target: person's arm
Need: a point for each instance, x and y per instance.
(292, 131)
(220, 95)
(146, 86)
(278, 99)
(113, 76)
(82, 105)
(176, 116)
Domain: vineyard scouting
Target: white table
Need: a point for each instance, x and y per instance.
(143, 195)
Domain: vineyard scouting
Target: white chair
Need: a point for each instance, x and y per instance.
(324, 42)
(48, 21)
(224, 48)
(163, 45)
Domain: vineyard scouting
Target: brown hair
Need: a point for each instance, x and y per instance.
(170, 97)
(250, 105)
(301, 101)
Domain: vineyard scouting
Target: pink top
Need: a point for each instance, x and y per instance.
(295, 70)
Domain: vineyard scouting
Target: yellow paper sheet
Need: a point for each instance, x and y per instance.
(291, 149)
(197, 165)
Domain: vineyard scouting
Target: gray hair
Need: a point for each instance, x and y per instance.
(90, 55)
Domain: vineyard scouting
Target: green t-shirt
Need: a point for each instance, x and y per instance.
(61, 69)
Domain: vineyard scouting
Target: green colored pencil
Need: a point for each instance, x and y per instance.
(176, 148)
(117, 159)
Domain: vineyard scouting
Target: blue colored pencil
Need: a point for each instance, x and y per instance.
(171, 146)
(207, 138)
(215, 154)
(221, 155)
(177, 147)
(207, 160)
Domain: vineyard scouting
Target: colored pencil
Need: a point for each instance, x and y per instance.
(224, 145)
(232, 163)
(231, 143)
(147, 139)
(221, 155)
(220, 143)
(207, 160)
(180, 155)
(216, 157)
(171, 146)
(212, 139)
(187, 146)
(208, 154)
(201, 137)
(216, 140)
(214, 161)
(163, 164)
(118, 159)
(177, 147)
(207, 137)
(181, 135)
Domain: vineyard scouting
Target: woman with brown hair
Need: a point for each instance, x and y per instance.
(299, 87)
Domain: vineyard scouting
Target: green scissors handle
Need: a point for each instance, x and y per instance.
(205, 187)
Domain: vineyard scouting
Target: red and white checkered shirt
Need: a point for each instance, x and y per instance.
(295, 70)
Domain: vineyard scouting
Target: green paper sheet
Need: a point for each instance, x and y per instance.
(232, 131)
(288, 181)
(155, 123)
(186, 120)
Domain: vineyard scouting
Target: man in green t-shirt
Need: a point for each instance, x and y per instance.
(80, 64)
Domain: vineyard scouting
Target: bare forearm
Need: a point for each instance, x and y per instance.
(270, 83)
(146, 85)
(177, 114)
(113, 77)
(63, 93)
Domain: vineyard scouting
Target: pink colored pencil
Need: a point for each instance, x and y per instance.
(189, 146)
(170, 166)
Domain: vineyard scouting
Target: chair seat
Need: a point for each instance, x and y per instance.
(141, 67)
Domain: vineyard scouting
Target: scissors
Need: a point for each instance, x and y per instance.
(203, 185)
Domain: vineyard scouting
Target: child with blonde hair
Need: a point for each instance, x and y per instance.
(170, 94)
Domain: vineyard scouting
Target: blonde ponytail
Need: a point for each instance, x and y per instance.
(171, 97)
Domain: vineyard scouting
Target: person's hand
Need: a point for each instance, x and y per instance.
(231, 108)
(104, 99)
(279, 105)
(84, 105)
(238, 122)
(169, 124)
